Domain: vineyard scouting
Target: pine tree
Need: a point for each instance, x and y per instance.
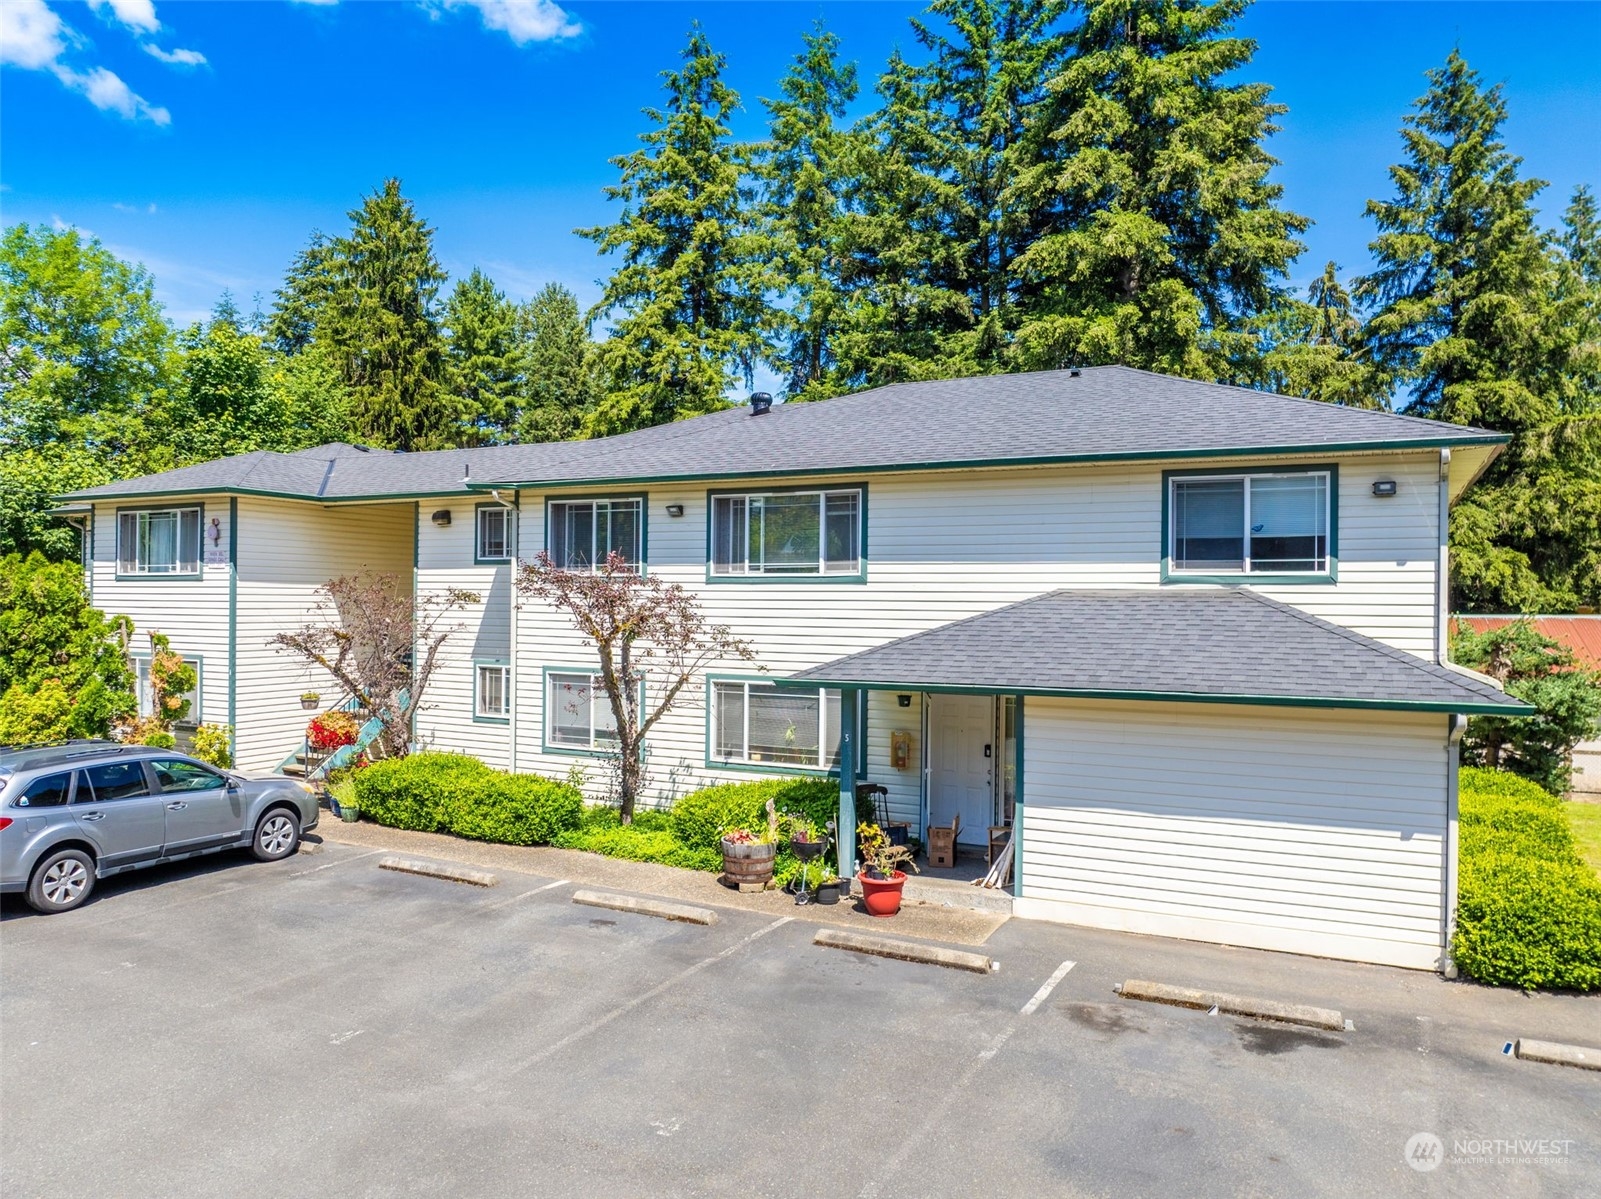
(381, 319)
(1313, 348)
(484, 359)
(1173, 236)
(299, 302)
(687, 297)
(1578, 302)
(559, 362)
(804, 171)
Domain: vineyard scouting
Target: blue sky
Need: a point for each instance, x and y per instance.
(500, 115)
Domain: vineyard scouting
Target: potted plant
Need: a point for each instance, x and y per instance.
(828, 891)
(309, 700)
(882, 879)
(748, 855)
(342, 800)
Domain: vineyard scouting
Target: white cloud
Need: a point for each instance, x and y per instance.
(30, 34)
(138, 15)
(182, 58)
(524, 21)
(148, 210)
(32, 37)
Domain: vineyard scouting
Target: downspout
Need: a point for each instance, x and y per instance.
(512, 513)
(1442, 565)
(1453, 758)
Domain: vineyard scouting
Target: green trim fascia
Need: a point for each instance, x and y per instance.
(1017, 805)
(644, 519)
(260, 493)
(499, 507)
(233, 628)
(1185, 697)
(1320, 578)
(805, 580)
(116, 545)
(573, 751)
(504, 664)
(831, 772)
(1344, 447)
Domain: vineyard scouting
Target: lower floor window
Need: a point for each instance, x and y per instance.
(146, 694)
(783, 726)
(494, 691)
(578, 712)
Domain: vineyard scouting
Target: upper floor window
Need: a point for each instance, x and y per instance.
(788, 533)
(584, 532)
(494, 534)
(1276, 523)
(164, 541)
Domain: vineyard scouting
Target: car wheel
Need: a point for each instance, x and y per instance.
(61, 881)
(277, 836)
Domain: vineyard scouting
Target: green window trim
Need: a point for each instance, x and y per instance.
(606, 497)
(574, 751)
(198, 575)
(503, 664)
(745, 766)
(1321, 578)
(849, 578)
(510, 523)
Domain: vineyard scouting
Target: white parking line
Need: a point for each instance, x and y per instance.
(500, 903)
(1045, 990)
(597, 1024)
(340, 862)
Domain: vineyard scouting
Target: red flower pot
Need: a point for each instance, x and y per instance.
(882, 896)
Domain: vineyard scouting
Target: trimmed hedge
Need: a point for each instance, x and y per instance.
(454, 793)
(700, 818)
(1528, 907)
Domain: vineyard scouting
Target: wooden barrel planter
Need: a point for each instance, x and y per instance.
(748, 864)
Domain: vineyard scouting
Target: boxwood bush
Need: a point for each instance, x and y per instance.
(438, 792)
(1528, 907)
(700, 818)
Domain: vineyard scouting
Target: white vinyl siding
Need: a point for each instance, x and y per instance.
(1317, 832)
(159, 542)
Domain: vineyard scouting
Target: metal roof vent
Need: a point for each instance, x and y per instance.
(760, 402)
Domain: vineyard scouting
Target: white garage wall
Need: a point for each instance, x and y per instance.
(1315, 832)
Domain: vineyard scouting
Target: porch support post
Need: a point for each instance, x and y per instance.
(849, 753)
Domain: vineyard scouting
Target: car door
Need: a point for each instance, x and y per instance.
(202, 811)
(117, 811)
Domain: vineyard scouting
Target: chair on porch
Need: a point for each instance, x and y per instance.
(899, 832)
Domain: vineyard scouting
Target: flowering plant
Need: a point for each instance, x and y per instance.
(330, 730)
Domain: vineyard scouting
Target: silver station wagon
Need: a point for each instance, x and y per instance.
(77, 812)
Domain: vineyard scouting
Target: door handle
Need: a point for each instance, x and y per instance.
(94, 815)
(177, 807)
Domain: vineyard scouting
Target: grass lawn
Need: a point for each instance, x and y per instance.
(1585, 818)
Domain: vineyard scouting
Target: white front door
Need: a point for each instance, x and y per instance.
(961, 731)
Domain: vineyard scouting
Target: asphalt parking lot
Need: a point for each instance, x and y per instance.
(319, 1026)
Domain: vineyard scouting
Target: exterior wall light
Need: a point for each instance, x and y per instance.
(442, 518)
(1384, 488)
(675, 509)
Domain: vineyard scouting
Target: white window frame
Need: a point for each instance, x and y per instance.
(598, 744)
(479, 671)
(721, 502)
(824, 761)
(144, 695)
(1244, 570)
(129, 564)
(504, 514)
(556, 509)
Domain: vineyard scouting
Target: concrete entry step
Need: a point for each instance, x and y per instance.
(951, 893)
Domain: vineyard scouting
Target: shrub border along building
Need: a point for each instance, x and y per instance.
(1528, 906)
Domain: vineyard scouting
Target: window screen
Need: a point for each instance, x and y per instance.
(787, 533)
(584, 532)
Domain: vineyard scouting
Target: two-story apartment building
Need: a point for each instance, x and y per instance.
(1189, 640)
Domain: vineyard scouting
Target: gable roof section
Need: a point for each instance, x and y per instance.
(1102, 414)
(1204, 645)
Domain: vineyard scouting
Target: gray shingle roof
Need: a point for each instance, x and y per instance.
(1104, 413)
(1214, 644)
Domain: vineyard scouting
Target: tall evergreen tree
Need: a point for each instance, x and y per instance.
(559, 362)
(484, 359)
(687, 297)
(805, 174)
(1313, 348)
(299, 302)
(381, 319)
(1466, 318)
(1174, 237)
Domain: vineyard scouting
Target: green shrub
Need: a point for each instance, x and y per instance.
(700, 818)
(1528, 907)
(417, 792)
(516, 809)
(1528, 923)
(213, 743)
(640, 845)
(159, 739)
(35, 717)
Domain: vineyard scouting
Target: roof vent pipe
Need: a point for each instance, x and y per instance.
(760, 402)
